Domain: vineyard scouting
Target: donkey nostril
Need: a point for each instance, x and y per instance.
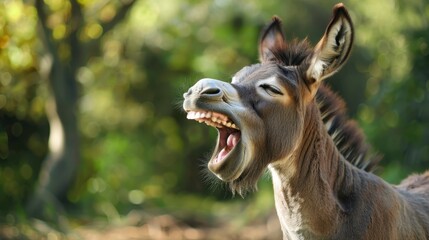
(211, 91)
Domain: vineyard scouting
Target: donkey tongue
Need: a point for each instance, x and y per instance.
(232, 140)
(222, 154)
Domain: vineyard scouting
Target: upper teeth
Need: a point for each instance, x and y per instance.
(213, 119)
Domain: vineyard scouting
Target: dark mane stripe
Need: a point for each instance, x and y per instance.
(346, 134)
(294, 53)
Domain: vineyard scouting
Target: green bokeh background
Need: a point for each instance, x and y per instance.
(138, 151)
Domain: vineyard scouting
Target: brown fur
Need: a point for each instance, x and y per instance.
(318, 159)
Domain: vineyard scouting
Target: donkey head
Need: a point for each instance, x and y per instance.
(260, 115)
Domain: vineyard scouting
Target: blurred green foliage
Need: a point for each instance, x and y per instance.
(138, 150)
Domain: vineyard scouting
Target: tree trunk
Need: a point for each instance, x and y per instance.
(59, 169)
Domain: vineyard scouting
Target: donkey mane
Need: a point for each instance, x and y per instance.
(294, 53)
(346, 134)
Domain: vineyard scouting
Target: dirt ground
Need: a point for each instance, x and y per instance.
(140, 226)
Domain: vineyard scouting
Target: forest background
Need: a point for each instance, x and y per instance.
(92, 135)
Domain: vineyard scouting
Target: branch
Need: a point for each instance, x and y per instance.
(100, 4)
(46, 32)
(121, 13)
(75, 24)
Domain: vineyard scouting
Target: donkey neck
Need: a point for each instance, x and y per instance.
(309, 184)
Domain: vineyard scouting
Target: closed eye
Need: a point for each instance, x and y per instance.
(271, 90)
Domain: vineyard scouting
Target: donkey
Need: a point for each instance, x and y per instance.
(277, 114)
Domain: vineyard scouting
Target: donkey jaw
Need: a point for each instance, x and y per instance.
(224, 161)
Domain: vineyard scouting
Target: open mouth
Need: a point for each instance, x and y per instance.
(229, 133)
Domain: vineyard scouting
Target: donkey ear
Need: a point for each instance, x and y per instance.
(334, 48)
(272, 38)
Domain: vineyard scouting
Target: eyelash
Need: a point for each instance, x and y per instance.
(271, 89)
